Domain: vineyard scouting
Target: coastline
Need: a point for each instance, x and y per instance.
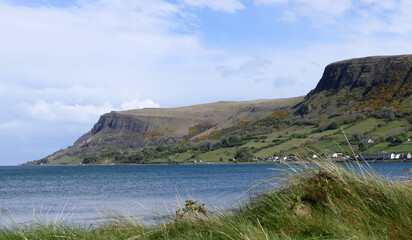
(222, 163)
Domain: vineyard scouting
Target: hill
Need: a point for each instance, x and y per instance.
(370, 98)
(134, 130)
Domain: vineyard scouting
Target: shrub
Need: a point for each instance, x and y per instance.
(244, 154)
(191, 208)
(90, 160)
(362, 146)
(333, 125)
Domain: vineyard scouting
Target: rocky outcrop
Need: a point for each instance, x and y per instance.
(364, 73)
(363, 83)
(119, 122)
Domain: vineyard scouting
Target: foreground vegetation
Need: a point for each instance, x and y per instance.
(322, 201)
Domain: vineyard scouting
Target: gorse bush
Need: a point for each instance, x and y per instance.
(191, 208)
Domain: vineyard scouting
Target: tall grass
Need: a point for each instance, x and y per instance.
(318, 201)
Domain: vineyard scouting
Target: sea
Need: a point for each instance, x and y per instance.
(90, 195)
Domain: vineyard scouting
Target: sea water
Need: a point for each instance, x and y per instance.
(89, 194)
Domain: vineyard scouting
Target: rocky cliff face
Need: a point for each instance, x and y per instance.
(356, 84)
(364, 73)
(118, 122)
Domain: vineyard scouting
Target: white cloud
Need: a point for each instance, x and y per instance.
(11, 125)
(401, 19)
(139, 104)
(270, 2)
(89, 52)
(352, 16)
(57, 112)
(319, 10)
(252, 68)
(229, 6)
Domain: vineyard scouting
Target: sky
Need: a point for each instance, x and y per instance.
(63, 63)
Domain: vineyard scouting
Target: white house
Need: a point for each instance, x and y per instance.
(335, 155)
(369, 141)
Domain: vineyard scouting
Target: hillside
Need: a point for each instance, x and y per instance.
(135, 130)
(370, 98)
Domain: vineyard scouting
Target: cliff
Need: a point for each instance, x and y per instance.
(371, 82)
(365, 73)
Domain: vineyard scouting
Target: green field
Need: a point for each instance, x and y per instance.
(224, 153)
(67, 160)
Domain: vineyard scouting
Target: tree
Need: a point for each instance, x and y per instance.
(362, 146)
(333, 125)
(358, 135)
(243, 154)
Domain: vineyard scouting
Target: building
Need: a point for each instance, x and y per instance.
(384, 156)
(335, 155)
(406, 156)
(366, 141)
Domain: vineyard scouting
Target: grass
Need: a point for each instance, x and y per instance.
(67, 160)
(178, 157)
(365, 126)
(395, 126)
(318, 201)
(404, 147)
(377, 147)
(281, 147)
(224, 153)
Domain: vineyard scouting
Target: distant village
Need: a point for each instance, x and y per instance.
(340, 157)
(370, 157)
(337, 156)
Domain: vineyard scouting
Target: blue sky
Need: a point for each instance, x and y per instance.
(63, 63)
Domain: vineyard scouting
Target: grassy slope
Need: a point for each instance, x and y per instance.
(66, 160)
(319, 142)
(322, 202)
(178, 121)
(284, 142)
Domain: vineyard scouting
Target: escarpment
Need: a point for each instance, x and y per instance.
(364, 73)
(117, 122)
(362, 83)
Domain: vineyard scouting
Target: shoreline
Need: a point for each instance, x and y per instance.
(221, 163)
(254, 218)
